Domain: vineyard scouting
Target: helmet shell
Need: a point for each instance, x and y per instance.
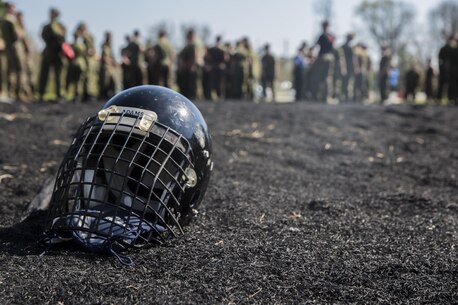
(181, 115)
(128, 183)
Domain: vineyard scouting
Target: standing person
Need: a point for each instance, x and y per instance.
(299, 65)
(369, 73)
(24, 49)
(89, 58)
(239, 59)
(249, 69)
(429, 77)
(135, 48)
(444, 66)
(152, 75)
(77, 68)
(125, 64)
(207, 76)
(384, 72)
(347, 67)
(53, 35)
(2, 55)
(324, 65)
(106, 69)
(268, 72)
(188, 67)
(165, 64)
(393, 78)
(453, 81)
(363, 69)
(336, 77)
(229, 70)
(218, 66)
(11, 38)
(308, 75)
(161, 61)
(412, 80)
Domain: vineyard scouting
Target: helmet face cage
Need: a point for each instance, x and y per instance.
(122, 180)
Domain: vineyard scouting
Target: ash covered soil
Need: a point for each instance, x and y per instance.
(308, 203)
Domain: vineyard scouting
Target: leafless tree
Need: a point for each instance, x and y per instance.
(202, 31)
(443, 20)
(164, 25)
(325, 9)
(387, 21)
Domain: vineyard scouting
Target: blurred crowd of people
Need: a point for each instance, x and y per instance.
(219, 71)
(346, 73)
(334, 74)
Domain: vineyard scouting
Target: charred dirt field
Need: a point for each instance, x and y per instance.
(308, 203)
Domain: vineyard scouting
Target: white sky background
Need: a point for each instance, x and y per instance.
(282, 23)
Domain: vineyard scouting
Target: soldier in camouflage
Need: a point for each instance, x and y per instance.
(89, 57)
(24, 49)
(77, 68)
(162, 59)
(53, 35)
(11, 38)
(107, 69)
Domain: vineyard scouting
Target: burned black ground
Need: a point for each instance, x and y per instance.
(308, 203)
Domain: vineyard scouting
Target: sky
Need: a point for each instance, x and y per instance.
(282, 23)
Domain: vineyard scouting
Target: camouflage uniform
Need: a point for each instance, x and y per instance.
(159, 72)
(90, 79)
(54, 35)
(77, 70)
(249, 71)
(11, 38)
(106, 72)
(363, 70)
(24, 50)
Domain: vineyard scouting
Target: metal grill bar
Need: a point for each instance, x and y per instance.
(161, 200)
(83, 174)
(165, 154)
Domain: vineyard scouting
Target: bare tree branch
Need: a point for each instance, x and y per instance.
(324, 8)
(443, 19)
(387, 21)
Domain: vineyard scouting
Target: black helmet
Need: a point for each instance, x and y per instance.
(134, 174)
